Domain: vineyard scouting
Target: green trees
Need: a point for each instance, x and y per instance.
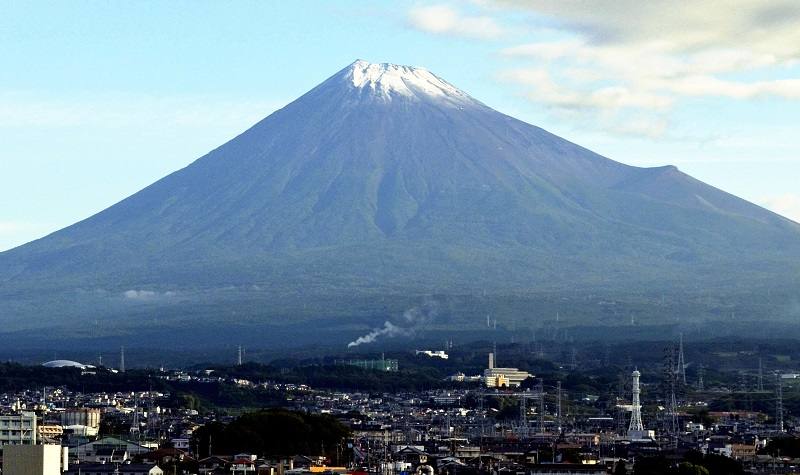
(688, 468)
(274, 433)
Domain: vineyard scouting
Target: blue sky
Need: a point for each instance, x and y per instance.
(99, 99)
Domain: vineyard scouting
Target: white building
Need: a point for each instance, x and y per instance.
(18, 429)
(503, 377)
(433, 353)
(33, 459)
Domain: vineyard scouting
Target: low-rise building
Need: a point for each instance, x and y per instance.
(114, 469)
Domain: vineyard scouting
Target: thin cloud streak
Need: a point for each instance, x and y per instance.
(446, 20)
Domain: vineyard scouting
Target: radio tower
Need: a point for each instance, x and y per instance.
(239, 356)
(558, 407)
(541, 406)
(700, 385)
(121, 359)
(760, 375)
(636, 406)
(778, 402)
(681, 366)
(671, 375)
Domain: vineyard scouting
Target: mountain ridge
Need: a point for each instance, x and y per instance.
(344, 191)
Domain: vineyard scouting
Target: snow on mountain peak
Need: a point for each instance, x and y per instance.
(386, 80)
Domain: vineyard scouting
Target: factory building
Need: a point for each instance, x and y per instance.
(503, 377)
(81, 420)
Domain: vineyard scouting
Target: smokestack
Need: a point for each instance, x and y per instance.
(491, 360)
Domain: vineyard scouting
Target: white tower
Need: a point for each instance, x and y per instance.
(636, 428)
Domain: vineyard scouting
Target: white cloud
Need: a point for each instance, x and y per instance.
(146, 295)
(787, 205)
(445, 20)
(754, 26)
(629, 57)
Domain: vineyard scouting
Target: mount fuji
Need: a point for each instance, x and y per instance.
(382, 187)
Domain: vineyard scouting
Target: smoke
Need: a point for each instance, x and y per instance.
(412, 320)
(389, 330)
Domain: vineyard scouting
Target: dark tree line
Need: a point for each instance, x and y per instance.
(274, 432)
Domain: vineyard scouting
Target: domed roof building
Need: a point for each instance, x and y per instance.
(66, 364)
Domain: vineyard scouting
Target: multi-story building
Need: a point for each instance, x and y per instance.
(18, 429)
(50, 431)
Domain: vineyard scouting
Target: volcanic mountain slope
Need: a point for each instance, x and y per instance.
(386, 178)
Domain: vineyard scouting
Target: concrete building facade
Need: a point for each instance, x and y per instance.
(18, 429)
(33, 460)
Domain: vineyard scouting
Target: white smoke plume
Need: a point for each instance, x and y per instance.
(413, 319)
(388, 330)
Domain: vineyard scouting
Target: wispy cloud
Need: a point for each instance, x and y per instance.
(627, 59)
(443, 19)
(147, 295)
(787, 204)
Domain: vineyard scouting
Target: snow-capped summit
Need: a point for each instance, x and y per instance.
(387, 80)
(380, 186)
